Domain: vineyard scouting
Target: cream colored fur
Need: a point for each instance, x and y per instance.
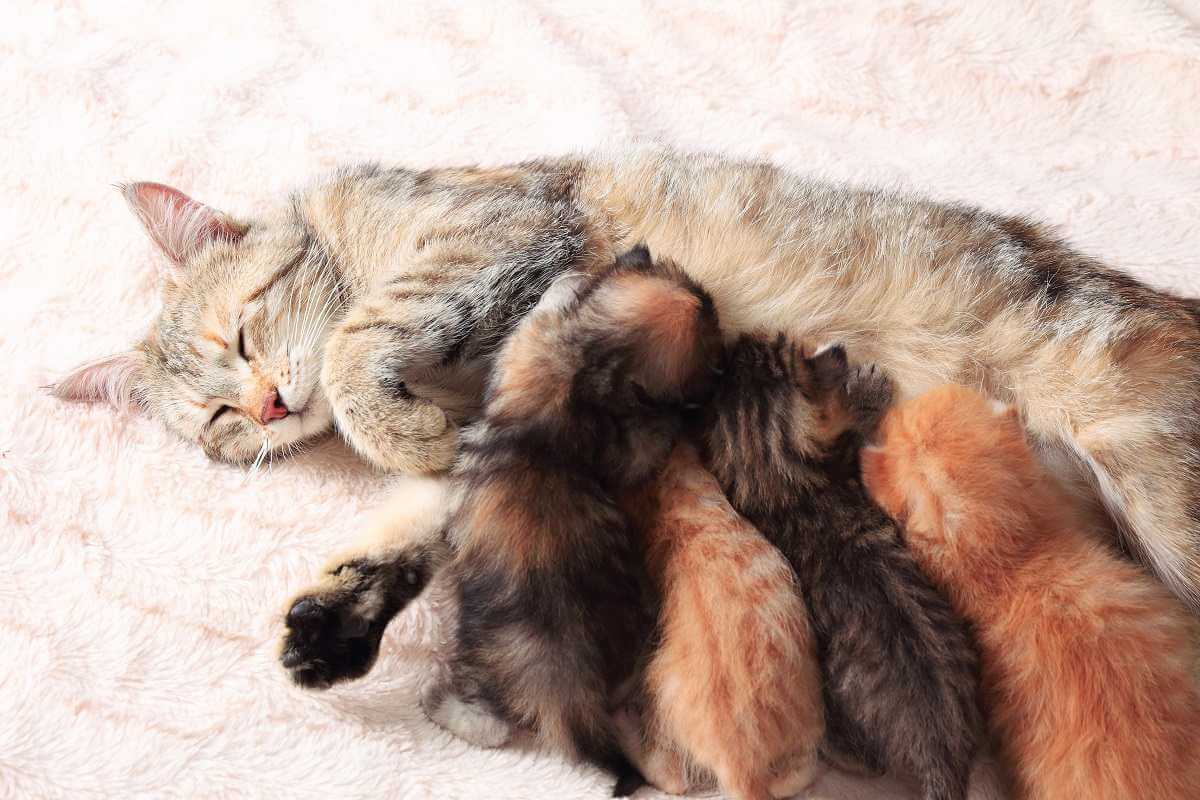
(140, 580)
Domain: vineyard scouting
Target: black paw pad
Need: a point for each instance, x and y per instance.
(325, 643)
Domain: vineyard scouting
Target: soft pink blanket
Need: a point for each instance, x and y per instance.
(141, 586)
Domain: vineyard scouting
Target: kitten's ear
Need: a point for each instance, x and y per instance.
(563, 291)
(179, 225)
(114, 380)
(830, 366)
(637, 257)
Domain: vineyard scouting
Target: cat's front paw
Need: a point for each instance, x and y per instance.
(334, 628)
(867, 394)
(399, 434)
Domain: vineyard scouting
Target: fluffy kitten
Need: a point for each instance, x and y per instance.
(1087, 663)
(733, 686)
(374, 298)
(554, 606)
(550, 575)
(899, 666)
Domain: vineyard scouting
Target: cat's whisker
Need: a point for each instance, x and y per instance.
(262, 453)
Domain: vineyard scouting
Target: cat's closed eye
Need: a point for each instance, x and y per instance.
(241, 347)
(220, 412)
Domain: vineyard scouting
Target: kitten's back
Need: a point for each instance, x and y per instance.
(734, 682)
(1089, 665)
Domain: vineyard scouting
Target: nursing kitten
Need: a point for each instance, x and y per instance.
(373, 299)
(899, 666)
(732, 687)
(1087, 663)
(554, 606)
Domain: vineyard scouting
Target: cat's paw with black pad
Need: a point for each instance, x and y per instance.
(867, 394)
(334, 628)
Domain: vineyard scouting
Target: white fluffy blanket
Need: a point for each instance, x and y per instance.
(141, 586)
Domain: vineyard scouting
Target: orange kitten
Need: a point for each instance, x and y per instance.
(1087, 660)
(733, 688)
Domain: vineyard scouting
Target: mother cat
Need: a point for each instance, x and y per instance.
(372, 300)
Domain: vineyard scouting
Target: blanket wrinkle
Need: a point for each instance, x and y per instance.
(142, 587)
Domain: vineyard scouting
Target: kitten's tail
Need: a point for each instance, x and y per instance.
(603, 751)
(629, 780)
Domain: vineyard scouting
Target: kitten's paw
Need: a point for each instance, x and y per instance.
(662, 768)
(470, 720)
(868, 393)
(324, 645)
(334, 628)
(793, 774)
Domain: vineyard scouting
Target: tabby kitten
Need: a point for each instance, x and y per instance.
(732, 687)
(554, 607)
(550, 576)
(1087, 663)
(373, 299)
(900, 672)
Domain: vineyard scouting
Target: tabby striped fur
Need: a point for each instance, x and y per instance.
(899, 667)
(418, 274)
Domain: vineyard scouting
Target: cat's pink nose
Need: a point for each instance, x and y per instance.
(273, 407)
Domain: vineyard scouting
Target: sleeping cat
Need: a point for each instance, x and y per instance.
(1087, 663)
(372, 300)
(554, 607)
(899, 667)
(732, 686)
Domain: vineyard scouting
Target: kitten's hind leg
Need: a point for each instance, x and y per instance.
(661, 764)
(334, 627)
(795, 773)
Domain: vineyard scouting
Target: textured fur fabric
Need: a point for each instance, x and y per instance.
(141, 586)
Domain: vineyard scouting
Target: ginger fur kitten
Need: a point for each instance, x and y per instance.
(555, 609)
(372, 301)
(1088, 664)
(732, 688)
(899, 667)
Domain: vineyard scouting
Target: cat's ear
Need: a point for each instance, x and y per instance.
(179, 225)
(114, 380)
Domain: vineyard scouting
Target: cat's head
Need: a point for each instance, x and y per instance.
(951, 460)
(778, 407)
(233, 361)
(610, 366)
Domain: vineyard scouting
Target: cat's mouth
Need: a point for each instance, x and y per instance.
(310, 417)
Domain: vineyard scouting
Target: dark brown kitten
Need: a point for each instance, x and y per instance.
(555, 608)
(900, 670)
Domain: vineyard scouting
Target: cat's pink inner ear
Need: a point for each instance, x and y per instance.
(179, 225)
(113, 380)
